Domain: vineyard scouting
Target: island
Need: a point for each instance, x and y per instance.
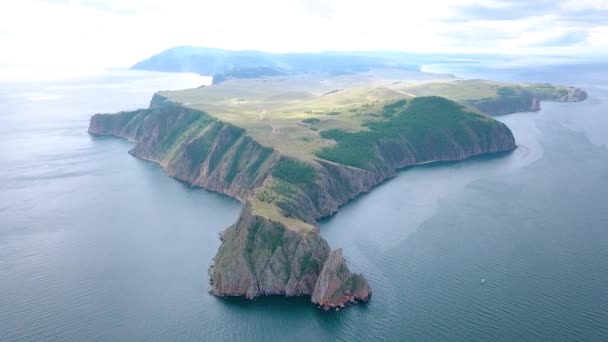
(294, 148)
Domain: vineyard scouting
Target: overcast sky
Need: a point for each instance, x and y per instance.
(116, 33)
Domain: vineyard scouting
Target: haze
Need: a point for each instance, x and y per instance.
(81, 35)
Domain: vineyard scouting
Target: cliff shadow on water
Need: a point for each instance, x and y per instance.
(293, 309)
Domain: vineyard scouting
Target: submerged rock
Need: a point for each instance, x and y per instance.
(337, 286)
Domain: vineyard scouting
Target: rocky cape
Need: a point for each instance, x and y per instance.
(526, 99)
(275, 247)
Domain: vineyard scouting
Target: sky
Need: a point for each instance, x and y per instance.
(118, 33)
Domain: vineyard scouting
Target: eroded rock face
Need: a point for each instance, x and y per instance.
(259, 257)
(574, 95)
(535, 105)
(528, 100)
(336, 286)
(191, 146)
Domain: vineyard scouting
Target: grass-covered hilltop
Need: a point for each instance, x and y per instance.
(294, 148)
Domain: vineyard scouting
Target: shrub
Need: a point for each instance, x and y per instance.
(311, 120)
(506, 91)
(390, 109)
(426, 123)
(294, 172)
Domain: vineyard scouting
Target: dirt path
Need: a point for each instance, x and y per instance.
(273, 130)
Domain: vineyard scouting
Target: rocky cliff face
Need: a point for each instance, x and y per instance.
(527, 99)
(275, 247)
(260, 257)
(405, 144)
(336, 285)
(574, 95)
(192, 147)
(257, 256)
(337, 184)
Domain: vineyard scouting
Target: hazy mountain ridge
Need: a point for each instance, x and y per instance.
(223, 64)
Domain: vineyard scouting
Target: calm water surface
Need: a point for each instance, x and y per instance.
(96, 245)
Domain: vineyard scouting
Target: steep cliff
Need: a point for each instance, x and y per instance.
(336, 285)
(192, 146)
(297, 193)
(259, 256)
(275, 247)
(513, 99)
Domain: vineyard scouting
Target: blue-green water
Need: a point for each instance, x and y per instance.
(98, 246)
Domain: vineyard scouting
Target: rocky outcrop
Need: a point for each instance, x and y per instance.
(574, 95)
(336, 285)
(192, 147)
(526, 99)
(159, 101)
(259, 257)
(535, 105)
(275, 248)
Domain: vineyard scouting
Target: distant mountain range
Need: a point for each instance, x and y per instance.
(222, 64)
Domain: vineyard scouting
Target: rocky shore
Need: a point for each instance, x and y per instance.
(275, 247)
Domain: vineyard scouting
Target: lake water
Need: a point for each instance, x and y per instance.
(96, 245)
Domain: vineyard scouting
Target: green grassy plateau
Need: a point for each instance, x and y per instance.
(342, 119)
(296, 148)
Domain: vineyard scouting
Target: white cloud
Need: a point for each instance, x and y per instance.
(598, 37)
(98, 33)
(578, 5)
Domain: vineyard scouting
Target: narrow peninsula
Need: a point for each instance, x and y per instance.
(294, 149)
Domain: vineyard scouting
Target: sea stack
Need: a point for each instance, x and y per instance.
(336, 286)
